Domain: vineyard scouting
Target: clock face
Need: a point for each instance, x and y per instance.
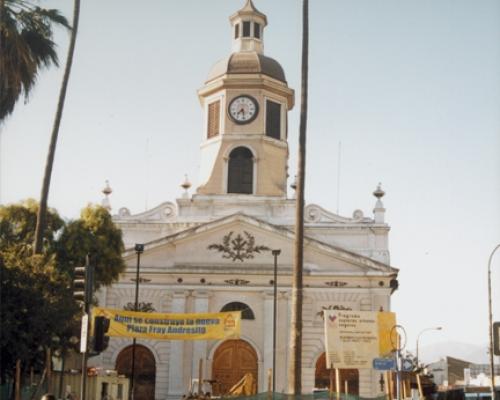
(243, 109)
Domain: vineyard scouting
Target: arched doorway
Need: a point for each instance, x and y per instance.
(240, 171)
(348, 377)
(145, 370)
(232, 360)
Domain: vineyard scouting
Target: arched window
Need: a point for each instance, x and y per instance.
(246, 312)
(240, 171)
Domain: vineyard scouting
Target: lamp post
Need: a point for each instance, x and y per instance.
(275, 253)
(436, 328)
(490, 317)
(139, 249)
(398, 342)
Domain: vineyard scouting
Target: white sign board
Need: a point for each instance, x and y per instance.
(354, 339)
(84, 333)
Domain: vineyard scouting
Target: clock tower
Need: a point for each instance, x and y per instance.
(245, 99)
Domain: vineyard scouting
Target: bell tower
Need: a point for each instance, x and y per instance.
(246, 99)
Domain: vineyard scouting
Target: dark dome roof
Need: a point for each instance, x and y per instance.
(247, 62)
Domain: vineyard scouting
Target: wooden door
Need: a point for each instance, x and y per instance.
(232, 360)
(145, 371)
(322, 377)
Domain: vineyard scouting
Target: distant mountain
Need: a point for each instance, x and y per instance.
(464, 351)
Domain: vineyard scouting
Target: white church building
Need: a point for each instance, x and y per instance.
(211, 251)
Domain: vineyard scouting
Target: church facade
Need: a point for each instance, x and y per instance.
(212, 251)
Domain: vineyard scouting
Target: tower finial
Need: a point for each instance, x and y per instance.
(248, 29)
(379, 210)
(379, 193)
(185, 185)
(105, 201)
(249, 6)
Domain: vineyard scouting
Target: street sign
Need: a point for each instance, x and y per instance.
(407, 364)
(496, 338)
(84, 333)
(384, 364)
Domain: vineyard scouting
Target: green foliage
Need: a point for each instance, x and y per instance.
(95, 234)
(36, 306)
(36, 290)
(26, 46)
(17, 226)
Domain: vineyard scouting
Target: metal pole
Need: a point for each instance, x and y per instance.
(490, 315)
(61, 377)
(398, 372)
(89, 286)
(139, 248)
(275, 253)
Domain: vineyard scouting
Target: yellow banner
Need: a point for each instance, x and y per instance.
(144, 325)
(387, 345)
(354, 338)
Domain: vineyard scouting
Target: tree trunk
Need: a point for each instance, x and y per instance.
(42, 211)
(48, 367)
(2, 12)
(17, 395)
(295, 362)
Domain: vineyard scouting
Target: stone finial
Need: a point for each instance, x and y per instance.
(105, 201)
(186, 185)
(379, 210)
(379, 193)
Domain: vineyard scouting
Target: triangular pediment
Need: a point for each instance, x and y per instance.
(243, 243)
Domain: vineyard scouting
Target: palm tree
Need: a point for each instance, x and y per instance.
(42, 211)
(26, 46)
(2, 8)
(295, 363)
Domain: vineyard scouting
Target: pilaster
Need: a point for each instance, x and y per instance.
(176, 387)
(268, 338)
(201, 298)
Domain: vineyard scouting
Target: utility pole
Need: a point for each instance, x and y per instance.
(139, 249)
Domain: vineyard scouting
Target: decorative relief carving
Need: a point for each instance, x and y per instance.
(169, 210)
(163, 212)
(141, 306)
(313, 214)
(357, 214)
(239, 248)
(124, 212)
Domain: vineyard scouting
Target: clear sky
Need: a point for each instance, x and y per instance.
(410, 88)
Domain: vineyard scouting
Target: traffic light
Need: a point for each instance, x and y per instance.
(101, 326)
(83, 283)
(79, 284)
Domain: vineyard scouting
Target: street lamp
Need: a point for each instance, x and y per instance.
(437, 328)
(139, 249)
(490, 315)
(275, 253)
